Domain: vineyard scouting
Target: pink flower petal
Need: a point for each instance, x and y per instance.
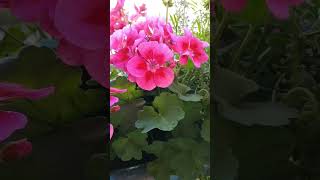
(10, 91)
(115, 108)
(111, 130)
(146, 82)
(113, 100)
(162, 54)
(146, 49)
(200, 58)
(164, 77)
(137, 67)
(117, 91)
(83, 22)
(69, 53)
(4, 4)
(29, 10)
(96, 64)
(184, 59)
(279, 9)
(10, 122)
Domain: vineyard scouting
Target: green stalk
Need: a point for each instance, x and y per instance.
(167, 12)
(12, 36)
(245, 41)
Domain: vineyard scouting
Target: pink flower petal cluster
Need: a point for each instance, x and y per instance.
(12, 121)
(279, 8)
(191, 47)
(80, 28)
(113, 101)
(145, 52)
(118, 19)
(149, 66)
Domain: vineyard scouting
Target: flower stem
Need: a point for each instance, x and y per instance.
(220, 28)
(245, 41)
(167, 13)
(12, 36)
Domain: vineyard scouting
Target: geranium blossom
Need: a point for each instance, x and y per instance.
(191, 47)
(144, 50)
(118, 19)
(123, 43)
(12, 121)
(149, 66)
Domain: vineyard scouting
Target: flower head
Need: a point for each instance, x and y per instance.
(149, 67)
(191, 47)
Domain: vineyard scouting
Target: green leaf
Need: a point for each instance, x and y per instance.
(231, 87)
(9, 46)
(188, 126)
(165, 114)
(225, 165)
(182, 91)
(271, 147)
(130, 147)
(96, 167)
(38, 68)
(159, 169)
(262, 113)
(124, 120)
(183, 157)
(132, 91)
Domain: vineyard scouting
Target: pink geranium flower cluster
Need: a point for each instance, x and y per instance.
(145, 49)
(79, 26)
(279, 8)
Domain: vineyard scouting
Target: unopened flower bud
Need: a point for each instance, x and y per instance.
(16, 150)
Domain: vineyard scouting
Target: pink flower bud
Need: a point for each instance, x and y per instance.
(16, 150)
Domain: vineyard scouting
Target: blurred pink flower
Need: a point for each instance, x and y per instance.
(16, 150)
(9, 91)
(140, 12)
(93, 60)
(83, 22)
(12, 121)
(280, 8)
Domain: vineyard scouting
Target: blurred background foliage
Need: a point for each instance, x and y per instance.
(266, 93)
